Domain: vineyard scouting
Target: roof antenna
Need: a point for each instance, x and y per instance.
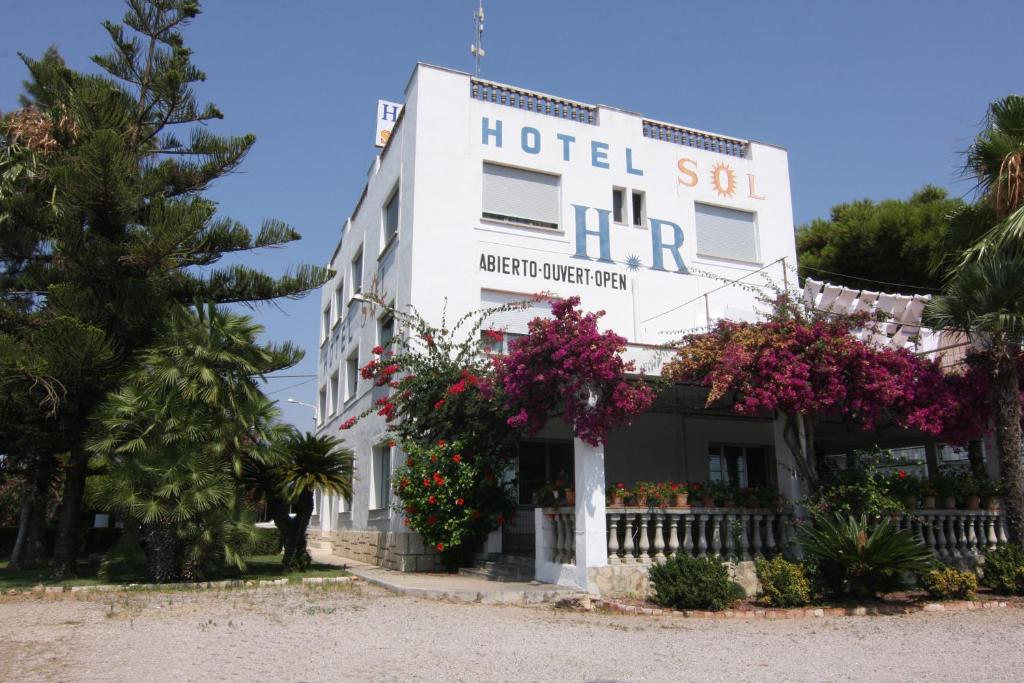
(477, 48)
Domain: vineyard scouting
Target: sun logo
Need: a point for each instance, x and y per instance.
(723, 180)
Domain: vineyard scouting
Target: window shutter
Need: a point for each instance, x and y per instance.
(514, 321)
(726, 233)
(520, 196)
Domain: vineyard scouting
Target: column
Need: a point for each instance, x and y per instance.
(591, 523)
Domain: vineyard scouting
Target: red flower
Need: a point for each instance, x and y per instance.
(391, 444)
(426, 482)
(460, 502)
(457, 458)
(494, 335)
(432, 500)
(458, 387)
(377, 350)
(620, 486)
(902, 474)
(442, 443)
(437, 406)
(440, 547)
(348, 424)
(500, 519)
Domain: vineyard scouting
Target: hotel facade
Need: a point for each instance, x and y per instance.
(485, 194)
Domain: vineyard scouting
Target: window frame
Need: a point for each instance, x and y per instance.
(356, 284)
(621, 192)
(393, 198)
(522, 221)
(634, 220)
(380, 484)
(352, 376)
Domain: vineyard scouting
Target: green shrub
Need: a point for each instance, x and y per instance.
(857, 559)
(1004, 571)
(949, 583)
(783, 583)
(685, 582)
(267, 542)
(125, 560)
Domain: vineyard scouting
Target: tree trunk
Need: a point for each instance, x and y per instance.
(976, 458)
(296, 556)
(29, 546)
(799, 436)
(162, 552)
(1006, 400)
(65, 551)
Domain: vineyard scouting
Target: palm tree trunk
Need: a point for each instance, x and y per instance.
(1006, 399)
(65, 551)
(162, 552)
(296, 556)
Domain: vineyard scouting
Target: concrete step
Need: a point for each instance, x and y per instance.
(493, 575)
(319, 544)
(511, 560)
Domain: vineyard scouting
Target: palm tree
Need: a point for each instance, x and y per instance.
(986, 301)
(305, 463)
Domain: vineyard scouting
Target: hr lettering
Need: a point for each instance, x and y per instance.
(666, 238)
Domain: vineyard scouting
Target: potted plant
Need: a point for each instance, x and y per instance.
(640, 493)
(770, 499)
(905, 488)
(615, 495)
(990, 490)
(570, 496)
(702, 493)
(947, 486)
(723, 494)
(680, 494)
(970, 491)
(928, 494)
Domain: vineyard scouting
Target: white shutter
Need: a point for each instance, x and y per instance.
(726, 233)
(520, 196)
(514, 321)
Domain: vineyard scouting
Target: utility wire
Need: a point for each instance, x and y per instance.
(867, 279)
(290, 386)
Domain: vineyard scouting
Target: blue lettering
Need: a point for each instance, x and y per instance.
(389, 111)
(529, 148)
(629, 163)
(566, 141)
(492, 132)
(657, 248)
(602, 233)
(599, 154)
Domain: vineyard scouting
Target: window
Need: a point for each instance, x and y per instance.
(390, 219)
(381, 476)
(618, 205)
(335, 396)
(910, 459)
(513, 195)
(638, 209)
(542, 462)
(497, 341)
(357, 273)
(726, 233)
(325, 324)
(321, 406)
(738, 466)
(339, 302)
(351, 375)
(385, 329)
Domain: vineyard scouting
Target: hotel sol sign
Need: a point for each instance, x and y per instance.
(592, 225)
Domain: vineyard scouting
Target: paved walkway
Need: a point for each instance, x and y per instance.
(453, 587)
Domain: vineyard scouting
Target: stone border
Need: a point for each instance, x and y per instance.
(201, 585)
(810, 612)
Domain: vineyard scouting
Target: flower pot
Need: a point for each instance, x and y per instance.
(707, 501)
(928, 502)
(973, 502)
(570, 497)
(640, 501)
(617, 502)
(949, 503)
(679, 500)
(910, 502)
(994, 503)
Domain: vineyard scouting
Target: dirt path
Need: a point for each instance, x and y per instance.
(342, 633)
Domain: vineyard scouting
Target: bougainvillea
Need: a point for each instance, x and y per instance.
(438, 395)
(565, 367)
(805, 368)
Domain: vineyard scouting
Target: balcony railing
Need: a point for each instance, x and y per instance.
(486, 91)
(696, 138)
(958, 534)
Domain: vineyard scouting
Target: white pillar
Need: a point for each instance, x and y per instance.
(786, 472)
(591, 531)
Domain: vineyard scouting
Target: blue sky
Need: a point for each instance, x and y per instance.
(872, 99)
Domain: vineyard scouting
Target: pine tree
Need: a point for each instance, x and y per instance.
(106, 175)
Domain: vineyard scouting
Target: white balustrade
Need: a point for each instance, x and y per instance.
(958, 534)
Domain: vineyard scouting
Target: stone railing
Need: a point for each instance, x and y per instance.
(496, 93)
(563, 543)
(645, 535)
(958, 534)
(697, 139)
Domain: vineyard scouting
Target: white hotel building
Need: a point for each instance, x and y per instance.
(487, 193)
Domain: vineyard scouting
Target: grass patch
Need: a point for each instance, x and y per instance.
(257, 567)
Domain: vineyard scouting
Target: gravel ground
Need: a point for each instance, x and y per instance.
(342, 633)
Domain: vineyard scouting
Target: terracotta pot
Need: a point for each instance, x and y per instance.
(994, 503)
(617, 502)
(928, 502)
(680, 500)
(707, 502)
(570, 497)
(640, 501)
(949, 503)
(973, 502)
